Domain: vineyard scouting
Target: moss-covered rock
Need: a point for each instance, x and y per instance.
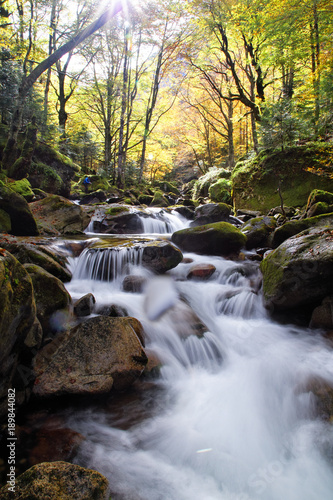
(167, 187)
(319, 208)
(161, 256)
(21, 219)
(159, 200)
(27, 253)
(219, 238)
(145, 199)
(300, 271)
(220, 191)
(58, 481)
(5, 224)
(202, 185)
(117, 210)
(23, 187)
(293, 227)
(319, 195)
(298, 169)
(98, 355)
(51, 297)
(19, 331)
(258, 231)
(56, 215)
(211, 212)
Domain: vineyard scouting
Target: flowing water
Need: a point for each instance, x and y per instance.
(231, 419)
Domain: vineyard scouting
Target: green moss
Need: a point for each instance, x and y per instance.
(167, 187)
(159, 200)
(117, 210)
(220, 191)
(5, 224)
(272, 268)
(202, 185)
(291, 228)
(319, 195)
(23, 187)
(50, 180)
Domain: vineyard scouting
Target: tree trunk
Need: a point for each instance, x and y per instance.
(231, 148)
(121, 152)
(48, 76)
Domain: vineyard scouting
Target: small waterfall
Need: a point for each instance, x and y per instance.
(107, 264)
(160, 221)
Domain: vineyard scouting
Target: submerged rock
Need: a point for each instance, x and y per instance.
(58, 480)
(134, 284)
(219, 238)
(300, 271)
(94, 357)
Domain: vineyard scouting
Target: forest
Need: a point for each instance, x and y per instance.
(160, 87)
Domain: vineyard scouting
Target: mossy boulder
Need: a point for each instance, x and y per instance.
(21, 218)
(258, 231)
(161, 256)
(298, 170)
(319, 196)
(220, 191)
(202, 185)
(145, 199)
(53, 302)
(159, 200)
(219, 238)
(117, 210)
(19, 332)
(293, 227)
(123, 223)
(58, 481)
(98, 355)
(5, 224)
(167, 187)
(28, 253)
(211, 212)
(23, 187)
(56, 215)
(319, 208)
(300, 271)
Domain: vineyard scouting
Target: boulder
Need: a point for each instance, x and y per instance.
(211, 212)
(51, 297)
(20, 332)
(219, 238)
(54, 444)
(28, 253)
(319, 196)
(319, 208)
(160, 256)
(84, 306)
(134, 284)
(220, 191)
(21, 218)
(56, 215)
(322, 316)
(5, 224)
(186, 212)
(58, 480)
(23, 187)
(201, 271)
(98, 355)
(159, 200)
(114, 311)
(258, 231)
(293, 227)
(125, 223)
(300, 271)
(202, 185)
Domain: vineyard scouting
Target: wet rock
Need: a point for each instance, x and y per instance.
(134, 284)
(300, 271)
(5, 224)
(323, 392)
(114, 311)
(22, 220)
(322, 316)
(94, 357)
(50, 296)
(28, 253)
(187, 260)
(20, 332)
(319, 202)
(211, 212)
(85, 305)
(219, 238)
(186, 212)
(127, 223)
(56, 215)
(95, 197)
(293, 227)
(52, 445)
(201, 272)
(247, 214)
(159, 200)
(58, 480)
(160, 256)
(258, 231)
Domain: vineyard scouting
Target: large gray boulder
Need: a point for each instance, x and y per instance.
(300, 271)
(22, 222)
(98, 355)
(258, 231)
(211, 212)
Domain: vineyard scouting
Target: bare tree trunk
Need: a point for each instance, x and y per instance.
(121, 152)
(48, 75)
(231, 148)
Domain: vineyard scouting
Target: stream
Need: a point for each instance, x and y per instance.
(229, 416)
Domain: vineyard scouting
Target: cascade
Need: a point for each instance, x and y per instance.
(229, 420)
(162, 222)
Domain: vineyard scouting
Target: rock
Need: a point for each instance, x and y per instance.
(145, 199)
(51, 297)
(323, 392)
(186, 212)
(219, 238)
(134, 284)
(160, 256)
(246, 215)
(20, 332)
(159, 200)
(300, 271)
(28, 253)
(201, 272)
(21, 218)
(211, 212)
(56, 215)
(53, 445)
(202, 185)
(23, 187)
(85, 305)
(289, 211)
(220, 191)
(94, 357)
(319, 208)
(300, 168)
(319, 196)
(58, 480)
(95, 197)
(322, 316)
(127, 223)
(293, 227)
(5, 224)
(114, 311)
(258, 231)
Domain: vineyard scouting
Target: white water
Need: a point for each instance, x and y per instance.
(231, 421)
(162, 222)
